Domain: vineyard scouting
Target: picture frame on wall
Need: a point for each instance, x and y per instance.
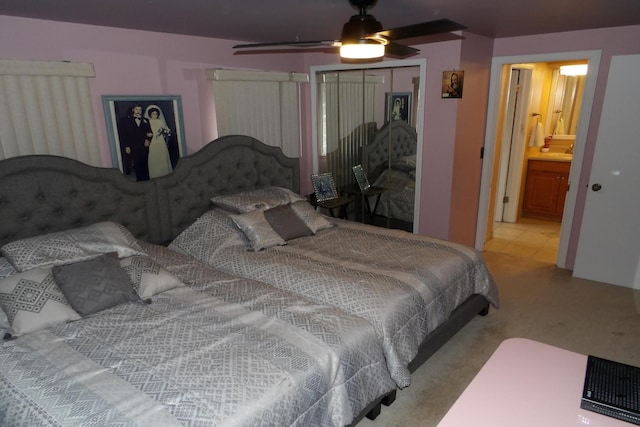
(146, 134)
(324, 187)
(452, 84)
(398, 106)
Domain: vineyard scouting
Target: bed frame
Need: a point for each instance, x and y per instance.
(41, 194)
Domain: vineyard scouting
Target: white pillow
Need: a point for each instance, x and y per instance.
(263, 198)
(259, 232)
(147, 276)
(32, 301)
(311, 217)
(69, 246)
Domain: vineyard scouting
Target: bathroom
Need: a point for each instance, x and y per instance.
(541, 108)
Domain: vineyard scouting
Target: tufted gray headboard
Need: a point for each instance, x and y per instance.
(41, 194)
(393, 140)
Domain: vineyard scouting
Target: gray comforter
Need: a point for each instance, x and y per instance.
(220, 351)
(403, 284)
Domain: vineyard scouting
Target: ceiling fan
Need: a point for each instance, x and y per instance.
(364, 39)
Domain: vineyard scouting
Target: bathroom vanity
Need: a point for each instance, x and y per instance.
(546, 186)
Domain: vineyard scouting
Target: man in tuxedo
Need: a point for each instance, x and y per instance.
(135, 137)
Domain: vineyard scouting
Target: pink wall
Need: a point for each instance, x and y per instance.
(129, 62)
(470, 132)
(439, 140)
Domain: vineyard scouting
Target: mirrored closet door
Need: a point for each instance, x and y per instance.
(366, 137)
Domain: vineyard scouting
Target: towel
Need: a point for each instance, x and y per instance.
(537, 136)
(560, 126)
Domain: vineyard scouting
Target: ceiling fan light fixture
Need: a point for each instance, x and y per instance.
(364, 49)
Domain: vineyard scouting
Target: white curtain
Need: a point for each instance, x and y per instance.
(346, 102)
(264, 105)
(45, 108)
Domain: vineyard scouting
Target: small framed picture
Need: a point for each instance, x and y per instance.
(361, 177)
(452, 82)
(146, 134)
(324, 186)
(398, 106)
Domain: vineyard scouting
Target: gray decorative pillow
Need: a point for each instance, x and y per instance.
(286, 222)
(32, 301)
(147, 276)
(70, 246)
(257, 229)
(310, 217)
(264, 198)
(96, 284)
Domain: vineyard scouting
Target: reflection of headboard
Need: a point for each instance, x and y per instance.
(349, 153)
(41, 194)
(393, 140)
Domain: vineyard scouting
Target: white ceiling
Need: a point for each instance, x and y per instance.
(286, 20)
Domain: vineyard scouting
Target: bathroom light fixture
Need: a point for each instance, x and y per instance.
(362, 49)
(574, 70)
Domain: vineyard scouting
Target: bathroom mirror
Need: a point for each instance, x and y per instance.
(565, 98)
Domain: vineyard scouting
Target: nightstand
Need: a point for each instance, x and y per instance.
(340, 204)
(354, 190)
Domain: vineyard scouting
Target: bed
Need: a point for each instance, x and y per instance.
(295, 359)
(405, 285)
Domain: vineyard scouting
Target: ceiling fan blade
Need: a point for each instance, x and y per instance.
(292, 45)
(422, 29)
(397, 50)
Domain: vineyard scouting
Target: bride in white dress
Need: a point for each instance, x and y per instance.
(159, 160)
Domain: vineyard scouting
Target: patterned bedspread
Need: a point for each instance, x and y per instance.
(220, 351)
(405, 285)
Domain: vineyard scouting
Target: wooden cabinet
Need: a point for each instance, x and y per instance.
(545, 189)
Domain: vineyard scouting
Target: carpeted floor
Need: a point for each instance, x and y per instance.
(537, 301)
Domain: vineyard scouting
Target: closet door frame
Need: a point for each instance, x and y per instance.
(419, 105)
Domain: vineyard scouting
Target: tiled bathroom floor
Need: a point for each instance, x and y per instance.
(530, 238)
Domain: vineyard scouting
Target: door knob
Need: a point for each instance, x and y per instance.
(596, 187)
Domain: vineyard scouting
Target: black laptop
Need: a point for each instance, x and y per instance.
(612, 389)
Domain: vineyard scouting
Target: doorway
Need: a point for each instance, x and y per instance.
(511, 233)
(500, 72)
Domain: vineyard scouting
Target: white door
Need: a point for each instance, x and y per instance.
(609, 244)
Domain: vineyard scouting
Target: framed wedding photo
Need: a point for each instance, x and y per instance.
(324, 187)
(398, 106)
(146, 134)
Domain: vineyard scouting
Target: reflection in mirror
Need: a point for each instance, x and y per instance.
(355, 127)
(565, 99)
